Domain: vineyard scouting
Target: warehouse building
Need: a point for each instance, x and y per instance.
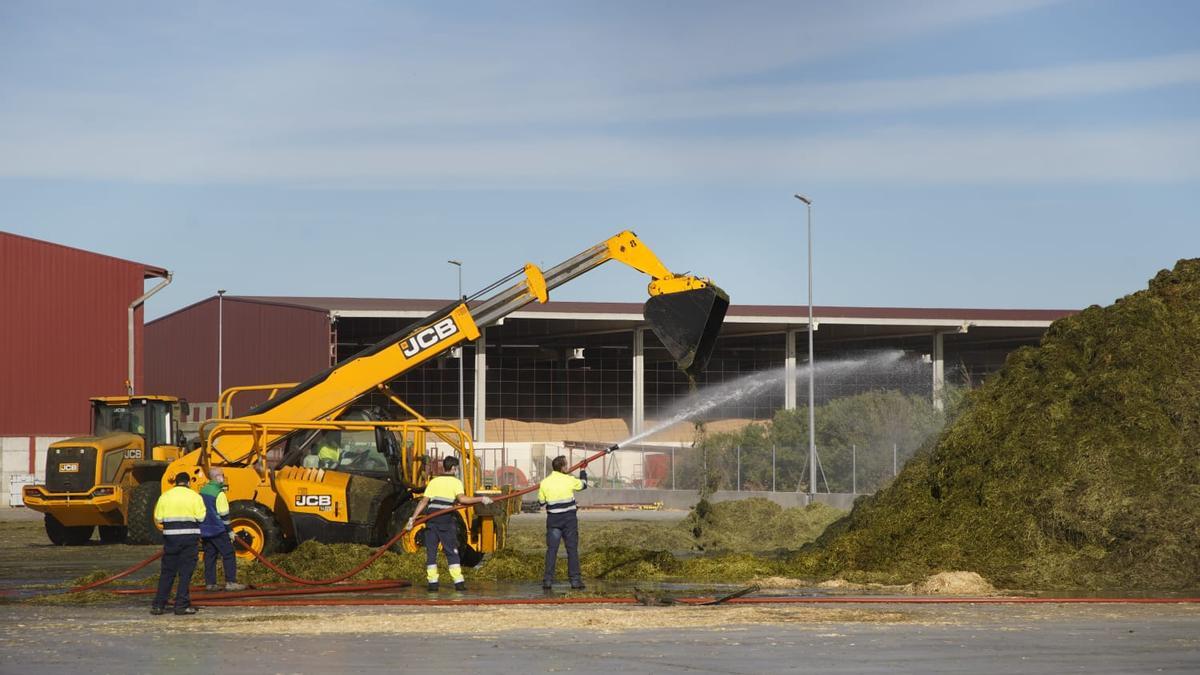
(68, 317)
(575, 374)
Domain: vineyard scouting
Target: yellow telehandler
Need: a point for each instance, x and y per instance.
(111, 479)
(299, 468)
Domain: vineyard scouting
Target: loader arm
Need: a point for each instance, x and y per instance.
(685, 312)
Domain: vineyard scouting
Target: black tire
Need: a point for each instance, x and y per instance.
(139, 521)
(63, 535)
(400, 516)
(253, 520)
(113, 534)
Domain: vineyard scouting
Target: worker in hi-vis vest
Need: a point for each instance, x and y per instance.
(216, 534)
(179, 512)
(441, 494)
(557, 493)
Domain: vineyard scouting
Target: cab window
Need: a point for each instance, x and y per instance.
(350, 451)
(112, 463)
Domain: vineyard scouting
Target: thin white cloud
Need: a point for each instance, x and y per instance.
(1162, 153)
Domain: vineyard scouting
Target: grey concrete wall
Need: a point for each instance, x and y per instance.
(686, 499)
(14, 465)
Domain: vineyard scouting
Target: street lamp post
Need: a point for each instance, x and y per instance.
(220, 342)
(812, 413)
(462, 420)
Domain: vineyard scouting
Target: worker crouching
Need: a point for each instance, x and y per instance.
(179, 512)
(557, 493)
(441, 494)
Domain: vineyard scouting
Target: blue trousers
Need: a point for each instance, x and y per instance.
(179, 560)
(562, 527)
(441, 530)
(219, 546)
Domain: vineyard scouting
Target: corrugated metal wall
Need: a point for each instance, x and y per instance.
(62, 334)
(264, 343)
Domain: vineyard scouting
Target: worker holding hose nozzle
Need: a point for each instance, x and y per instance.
(557, 494)
(441, 494)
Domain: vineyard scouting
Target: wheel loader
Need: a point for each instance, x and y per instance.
(111, 479)
(299, 468)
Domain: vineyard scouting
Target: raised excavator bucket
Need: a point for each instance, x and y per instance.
(687, 323)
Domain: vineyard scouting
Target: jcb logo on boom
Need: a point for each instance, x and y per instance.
(318, 501)
(428, 337)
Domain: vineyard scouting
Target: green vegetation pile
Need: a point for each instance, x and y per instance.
(1077, 465)
(756, 524)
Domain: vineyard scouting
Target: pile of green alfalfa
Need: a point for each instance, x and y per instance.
(1077, 465)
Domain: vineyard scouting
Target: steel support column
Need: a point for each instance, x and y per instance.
(939, 370)
(639, 381)
(479, 425)
(789, 370)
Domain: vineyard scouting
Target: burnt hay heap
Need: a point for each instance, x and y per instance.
(1075, 466)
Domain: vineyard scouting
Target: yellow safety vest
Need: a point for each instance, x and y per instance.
(442, 492)
(557, 492)
(328, 456)
(180, 512)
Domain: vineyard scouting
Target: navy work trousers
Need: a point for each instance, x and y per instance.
(179, 560)
(219, 545)
(562, 527)
(444, 530)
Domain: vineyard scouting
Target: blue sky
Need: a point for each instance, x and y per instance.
(1009, 153)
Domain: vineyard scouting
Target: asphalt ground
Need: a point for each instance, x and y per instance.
(853, 638)
(849, 639)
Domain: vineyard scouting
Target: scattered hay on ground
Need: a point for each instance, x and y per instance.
(83, 598)
(491, 621)
(952, 583)
(781, 582)
(840, 584)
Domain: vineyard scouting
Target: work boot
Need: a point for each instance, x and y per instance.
(156, 610)
(235, 586)
(577, 586)
(432, 587)
(547, 586)
(460, 585)
(212, 588)
(185, 611)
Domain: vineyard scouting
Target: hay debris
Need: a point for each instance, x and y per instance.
(952, 583)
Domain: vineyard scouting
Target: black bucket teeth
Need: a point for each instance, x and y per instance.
(687, 324)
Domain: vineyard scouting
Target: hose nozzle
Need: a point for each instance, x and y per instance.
(613, 447)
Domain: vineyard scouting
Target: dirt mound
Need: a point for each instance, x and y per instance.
(952, 583)
(1076, 465)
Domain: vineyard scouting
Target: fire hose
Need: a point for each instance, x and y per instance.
(331, 581)
(252, 597)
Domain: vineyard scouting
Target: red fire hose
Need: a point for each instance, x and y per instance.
(322, 582)
(250, 597)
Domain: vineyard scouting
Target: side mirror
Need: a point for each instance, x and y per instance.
(184, 408)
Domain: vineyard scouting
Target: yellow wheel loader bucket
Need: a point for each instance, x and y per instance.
(687, 323)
